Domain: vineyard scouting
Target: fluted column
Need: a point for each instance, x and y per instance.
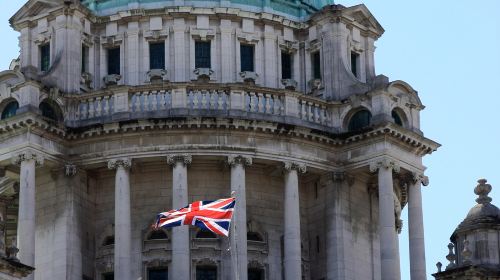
(181, 259)
(123, 222)
(26, 220)
(416, 227)
(239, 225)
(387, 222)
(292, 258)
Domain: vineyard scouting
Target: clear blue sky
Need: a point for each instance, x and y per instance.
(449, 51)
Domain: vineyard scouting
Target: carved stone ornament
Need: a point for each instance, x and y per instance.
(299, 167)
(28, 155)
(157, 74)
(290, 84)
(249, 76)
(451, 256)
(314, 84)
(203, 72)
(86, 79)
(184, 159)
(384, 163)
(239, 159)
(112, 79)
(420, 177)
(482, 190)
(70, 170)
(116, 163)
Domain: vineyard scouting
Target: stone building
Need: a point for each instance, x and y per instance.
(474, 250)
(116, 110)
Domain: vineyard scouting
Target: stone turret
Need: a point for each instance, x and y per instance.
(474, 247)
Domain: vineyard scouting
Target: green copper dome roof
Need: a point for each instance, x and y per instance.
(294, 9)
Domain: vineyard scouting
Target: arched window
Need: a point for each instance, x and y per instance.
(396, 118)
(10, 110)
(157, 235)
(109, 240)
(254, 236)
(50, 111)
(203, 233)
(360, 120)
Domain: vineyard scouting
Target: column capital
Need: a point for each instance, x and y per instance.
(28, 155)
(185, 159)
(384, 163)
(122, 162)
(239, 159)
(291, 165)
(418, 177)
(70, 170)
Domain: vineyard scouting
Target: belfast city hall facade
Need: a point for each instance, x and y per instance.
(117, 110)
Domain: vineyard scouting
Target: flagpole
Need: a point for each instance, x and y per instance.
(235, 238)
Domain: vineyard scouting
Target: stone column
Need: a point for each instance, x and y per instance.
(239, 225)
(26, 219)
(387, 223)
(292, 252)
(123, 223)
(416, 227)
(181, 259)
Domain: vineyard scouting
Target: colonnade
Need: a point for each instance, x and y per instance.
(389, 255)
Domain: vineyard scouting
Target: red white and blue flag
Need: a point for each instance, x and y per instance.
(214, 216)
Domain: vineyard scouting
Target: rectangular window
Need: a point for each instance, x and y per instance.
(157, 274)
(247, 58)
(85, 59)
(206, 273)
(108, 276)
(286, 65)
(157, 55)
(354, 63)
(114, 61)
(44, 57)
(202, 57)
(316, 65)
(255, 274)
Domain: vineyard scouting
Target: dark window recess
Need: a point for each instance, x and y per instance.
(44, 57)
(316, 65)
(49, 111)
(206, 273)
(254, 236)
(157, 274)
(202, 55)
(157, 55)
(110, 240)
(396, 118)
(247, 58)
(360, 120)
(205, 234)
(354, 63)
(10, 110)
(286, 65)
(255, 274)
(317, 244)
(108, 276)
(316, 190)
(157, 234)
(85, 59)
(114, 61)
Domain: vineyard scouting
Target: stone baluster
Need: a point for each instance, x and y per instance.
(239, 225)
(451, 257)
(181, 259)
(28, 161)
(387, 224)
(416, 227)
(123, 222)
(292, 241)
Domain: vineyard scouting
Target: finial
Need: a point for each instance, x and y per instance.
(482, 190)
(439, 265)
(466, 253)
(451, 256)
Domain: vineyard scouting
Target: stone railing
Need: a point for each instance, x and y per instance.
(124, 103)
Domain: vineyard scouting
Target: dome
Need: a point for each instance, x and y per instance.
(292, 9)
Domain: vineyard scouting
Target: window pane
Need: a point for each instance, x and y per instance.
(10, 110)
(354, 63)
(286, 65)
(85, 59)
(158, 274)
(316, 61)
(397, 119)
(202, 55)
(157, 55)
(206, 273)
(360, 120)
(247, 59)
(114, 61)
(45, 57)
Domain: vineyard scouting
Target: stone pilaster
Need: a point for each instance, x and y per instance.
(292, 257)
(181, 259)
(123, 222)
(389, 260)
(416, 227)
(239, 225)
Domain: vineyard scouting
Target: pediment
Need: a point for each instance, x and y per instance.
(34, 8)
(363, 16)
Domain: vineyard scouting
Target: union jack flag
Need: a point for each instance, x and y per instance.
(214, 216)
